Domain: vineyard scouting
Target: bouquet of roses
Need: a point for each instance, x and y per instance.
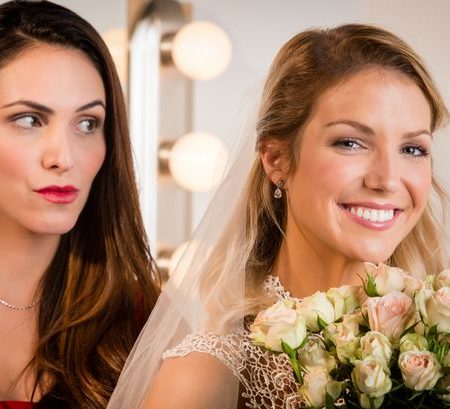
(385, 347)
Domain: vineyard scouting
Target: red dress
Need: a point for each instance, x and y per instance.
(15, 404)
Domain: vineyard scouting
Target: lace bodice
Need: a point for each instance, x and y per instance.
(266, 378)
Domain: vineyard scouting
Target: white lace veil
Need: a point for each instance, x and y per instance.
(183, 307)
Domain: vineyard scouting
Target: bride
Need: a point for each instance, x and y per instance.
(342, 175)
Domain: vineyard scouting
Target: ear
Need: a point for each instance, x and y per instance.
(272, 153)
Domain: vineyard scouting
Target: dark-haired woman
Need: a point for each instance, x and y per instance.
(76, 276)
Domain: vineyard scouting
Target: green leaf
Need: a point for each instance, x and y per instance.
(321, 323)
(371, 287)
(329, 401)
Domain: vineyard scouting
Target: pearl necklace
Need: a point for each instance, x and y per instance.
(18, 307)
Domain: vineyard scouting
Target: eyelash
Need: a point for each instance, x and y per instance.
(38, 121)
(343, 144)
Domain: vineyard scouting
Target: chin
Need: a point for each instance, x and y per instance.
(373, 254)
(56, 227)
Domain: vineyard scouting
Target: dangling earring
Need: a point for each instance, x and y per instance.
(278, 194)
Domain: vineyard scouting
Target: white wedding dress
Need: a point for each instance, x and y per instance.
(266, 378)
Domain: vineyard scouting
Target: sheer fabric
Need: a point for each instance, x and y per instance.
(208, 280)
(266, 378)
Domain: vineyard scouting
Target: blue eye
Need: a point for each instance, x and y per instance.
(28, 121)
(87, 126)
(416, 151)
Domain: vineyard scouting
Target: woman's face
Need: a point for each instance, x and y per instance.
(364, 166)
(52, 144)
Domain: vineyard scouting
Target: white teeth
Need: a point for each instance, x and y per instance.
(374, 215)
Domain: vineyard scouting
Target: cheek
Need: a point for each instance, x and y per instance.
(14, 161)
(419, 183)
(93, 160)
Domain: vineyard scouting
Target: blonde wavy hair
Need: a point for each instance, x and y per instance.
(305, 67)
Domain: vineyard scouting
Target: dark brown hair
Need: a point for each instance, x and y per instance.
(102, 282)
(307, 65)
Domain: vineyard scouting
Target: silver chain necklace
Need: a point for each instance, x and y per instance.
(18, 307)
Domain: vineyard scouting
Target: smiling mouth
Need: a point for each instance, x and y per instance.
(370, 214)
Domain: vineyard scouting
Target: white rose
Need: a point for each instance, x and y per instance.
(375, 344)
(371, 377)
(344, 300)
(412, 285)
(442, 279)
(314, 307)
(386, 279)
(344, 337)
(281, 322)
(364, 401)
(438, 309)
(421, 298)
(316, 384)
(413, 342)
(314, 355)
(420, 369)
(390, 314)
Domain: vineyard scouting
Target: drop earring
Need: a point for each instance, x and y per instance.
(278, 194)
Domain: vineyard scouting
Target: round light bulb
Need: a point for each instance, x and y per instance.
(201, 50)
(197, 161)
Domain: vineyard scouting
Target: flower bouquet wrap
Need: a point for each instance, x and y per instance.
(384, 344)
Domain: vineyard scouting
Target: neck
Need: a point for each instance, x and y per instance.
(24, 259)
(305, 265)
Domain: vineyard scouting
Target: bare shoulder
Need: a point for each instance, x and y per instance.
(195, 381)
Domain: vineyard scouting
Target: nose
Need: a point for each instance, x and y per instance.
(383, 173)
(57, 153)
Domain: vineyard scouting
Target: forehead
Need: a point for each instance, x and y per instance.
(375, 95)
(51, 75)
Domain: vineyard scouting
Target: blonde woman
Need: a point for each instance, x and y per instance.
(342, 175)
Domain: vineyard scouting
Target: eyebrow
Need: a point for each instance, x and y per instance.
(369, 131)
(43, 108)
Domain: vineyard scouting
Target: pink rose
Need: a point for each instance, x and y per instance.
(420, 369)
(438, 309)
(389, 314)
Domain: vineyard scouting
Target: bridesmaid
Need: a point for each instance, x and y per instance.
(76, 276)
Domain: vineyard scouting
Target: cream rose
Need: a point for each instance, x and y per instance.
(413, 342)
(364, 401)
(442, 279)
(314, 355)
(344, 337)
(421, 298)
(390, 313)
(344, 299)
(412, 285)
(385, 279)
(438, 309)
(375, 344)
(371, 377)
(316, 384)
(314, 307)
(281, 322)
(420, 369)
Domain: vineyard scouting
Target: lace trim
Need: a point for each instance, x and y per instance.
(266, 378)
(273, 286)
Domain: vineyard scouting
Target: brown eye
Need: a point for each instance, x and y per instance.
(28, 121)
(87, 126)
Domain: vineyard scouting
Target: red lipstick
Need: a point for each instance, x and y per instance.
(58, 194)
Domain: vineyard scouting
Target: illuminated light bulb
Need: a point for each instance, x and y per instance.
(201, 50)
(197, 161)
